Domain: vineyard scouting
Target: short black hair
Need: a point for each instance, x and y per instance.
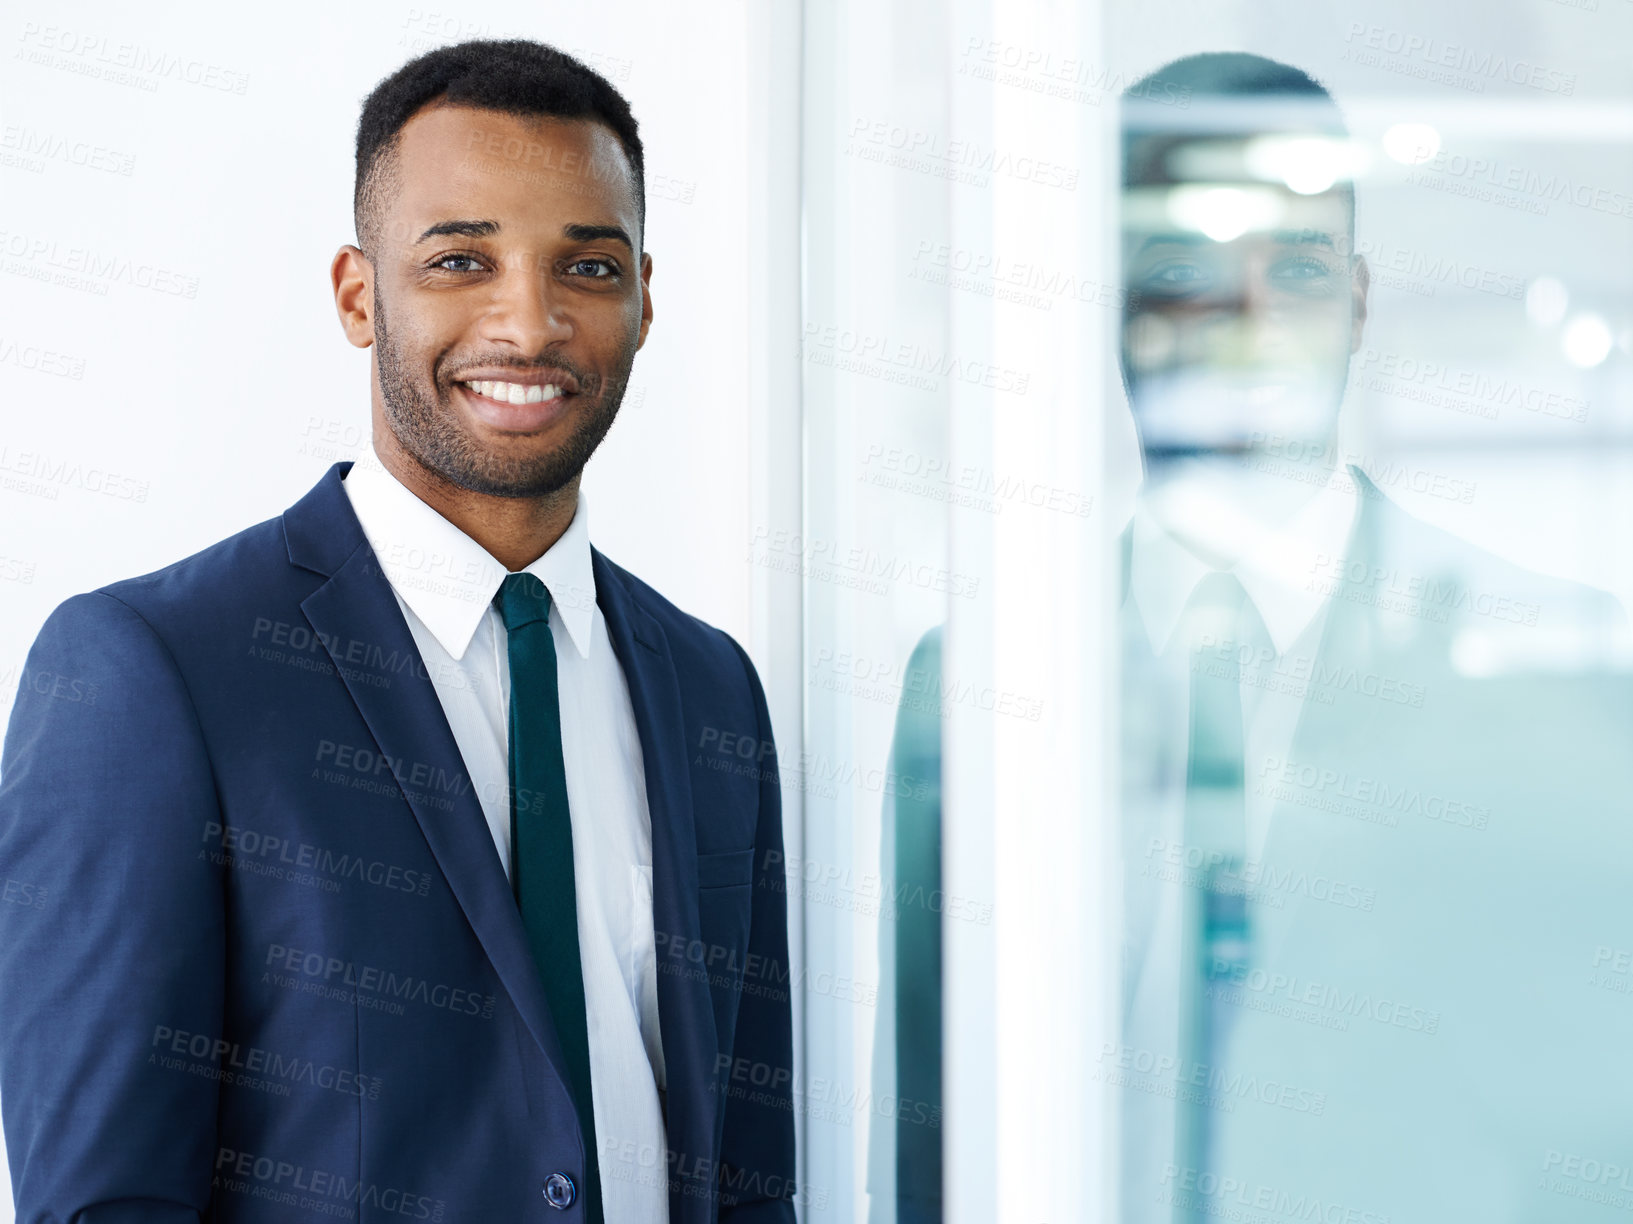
(1241, 94)
(513, 75)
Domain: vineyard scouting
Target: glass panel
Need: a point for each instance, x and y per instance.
(1376, 708)
(873, 556)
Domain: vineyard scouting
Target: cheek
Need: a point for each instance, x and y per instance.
(1150, 341)
(424, 339)
(1297, 324)
(604, 339)
(1321, 330)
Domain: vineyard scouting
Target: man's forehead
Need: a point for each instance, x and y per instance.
(448, 154)
(440, 121)
(1324, 240)
(1215, 212)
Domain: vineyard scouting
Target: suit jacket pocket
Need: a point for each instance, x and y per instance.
(725, 870)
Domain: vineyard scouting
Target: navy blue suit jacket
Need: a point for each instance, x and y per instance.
(259, 960)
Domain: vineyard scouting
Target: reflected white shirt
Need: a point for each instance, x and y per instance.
(445, 582)
(1278, 571)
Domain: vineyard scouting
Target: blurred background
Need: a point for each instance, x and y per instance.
(1176, 510)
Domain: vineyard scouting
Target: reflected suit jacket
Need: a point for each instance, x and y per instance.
(1428, 1017)
(905, 1165)
(260, 961)
(1422, 1021)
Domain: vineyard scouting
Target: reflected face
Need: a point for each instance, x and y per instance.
(1244, 305)
(509, 300)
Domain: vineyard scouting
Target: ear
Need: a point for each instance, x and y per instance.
(646, 299)
(1360, 279)
(352, 276)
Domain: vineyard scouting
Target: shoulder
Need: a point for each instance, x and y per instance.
(220, 589)
(1475, 586)
(211, 580)
(700, 650)
(926, 654)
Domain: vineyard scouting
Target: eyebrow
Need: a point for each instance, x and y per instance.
(463, 229)
(1302, 238)
(1177, 238)
(594, 233)
(575, 232)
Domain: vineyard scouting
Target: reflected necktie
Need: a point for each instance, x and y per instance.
(1220, 625)
(541, 840)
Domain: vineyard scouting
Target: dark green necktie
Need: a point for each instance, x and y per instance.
(1220, 626)
(541, 840)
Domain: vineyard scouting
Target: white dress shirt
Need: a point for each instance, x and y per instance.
(445, 582)
(1277, 567)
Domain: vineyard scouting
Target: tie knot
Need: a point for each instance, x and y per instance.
(1220, 613)
(1221, 591)
(522, 599)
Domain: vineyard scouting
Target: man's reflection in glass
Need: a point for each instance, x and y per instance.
(1244, 304)
(1368, 856)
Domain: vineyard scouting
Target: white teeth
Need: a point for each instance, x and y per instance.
(514, 393)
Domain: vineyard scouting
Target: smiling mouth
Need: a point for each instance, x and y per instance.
(513, 393)
(517, 407)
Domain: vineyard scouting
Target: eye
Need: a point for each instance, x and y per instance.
(1304, 275)
(444, 262)
(1175, 278)
(611, 268)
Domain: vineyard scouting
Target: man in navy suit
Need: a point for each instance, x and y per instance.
(296, 937)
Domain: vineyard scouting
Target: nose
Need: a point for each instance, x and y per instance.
(1248, 321)
(1258, 298)
(527, 309)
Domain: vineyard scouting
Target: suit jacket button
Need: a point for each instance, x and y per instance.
(559, 1191)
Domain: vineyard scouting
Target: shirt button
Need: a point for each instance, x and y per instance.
(559, 1191)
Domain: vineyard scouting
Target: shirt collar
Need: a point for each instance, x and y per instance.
(1276, 570)
(447, 578)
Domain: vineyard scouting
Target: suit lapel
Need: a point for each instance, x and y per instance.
(1327, 735)
(685, 1006)
(409, 725)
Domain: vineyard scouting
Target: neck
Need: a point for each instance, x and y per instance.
(516, 531)
(1219, 507)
